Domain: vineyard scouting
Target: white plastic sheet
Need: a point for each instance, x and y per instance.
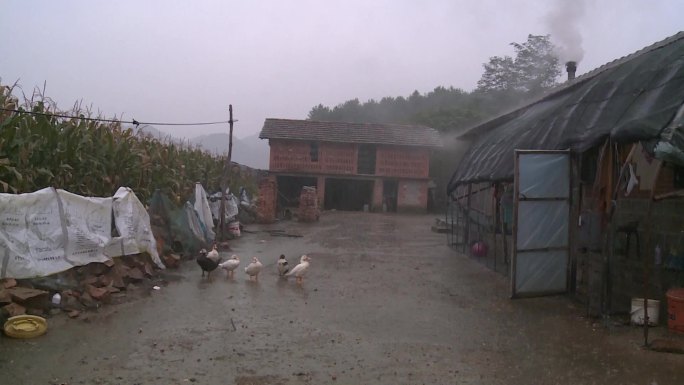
(194, 222)
(545, 224)
(133, 224)
(244, 197)
(201, 206)
(49, 231)
(544, 175)
(540, 261)
(231, 205)
(541, 272)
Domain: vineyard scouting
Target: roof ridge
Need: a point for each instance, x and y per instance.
(359, 123)
(335, 131)
(613, 63)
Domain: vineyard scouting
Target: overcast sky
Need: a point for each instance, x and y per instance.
(185, 61)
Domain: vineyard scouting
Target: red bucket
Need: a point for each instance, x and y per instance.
(675, 309)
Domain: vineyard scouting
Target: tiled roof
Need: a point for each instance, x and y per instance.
(375, 133)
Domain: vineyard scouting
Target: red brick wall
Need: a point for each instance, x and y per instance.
(377, 194)
(292, 156)
(333, 158)
(321, 190)
(404, 162)
(341, 158)
(338, 158)
(266, 206)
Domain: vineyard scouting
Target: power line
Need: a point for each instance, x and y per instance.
(134, 122)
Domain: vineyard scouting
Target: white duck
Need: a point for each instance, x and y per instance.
(230, 265)
(299, 270)
(213, 254)
(254, 268)
(283, 267)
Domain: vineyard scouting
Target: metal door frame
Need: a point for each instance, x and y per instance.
(516, 201)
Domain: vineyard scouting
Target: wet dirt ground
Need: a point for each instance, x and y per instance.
(385, 302)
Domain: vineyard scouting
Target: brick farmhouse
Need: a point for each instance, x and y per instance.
(354, 166)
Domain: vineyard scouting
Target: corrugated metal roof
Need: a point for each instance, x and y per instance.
(630, 99)
(371, 133)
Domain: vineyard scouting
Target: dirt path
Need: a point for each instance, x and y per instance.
(386, 302)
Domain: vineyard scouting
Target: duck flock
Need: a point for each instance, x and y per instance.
(210, 261)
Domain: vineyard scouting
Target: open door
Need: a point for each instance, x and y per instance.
(541, 223)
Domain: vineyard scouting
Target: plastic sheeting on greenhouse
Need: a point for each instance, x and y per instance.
(50, 230)
(637, 98)
(541, 256)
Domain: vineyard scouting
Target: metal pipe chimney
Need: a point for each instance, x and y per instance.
(571, 67)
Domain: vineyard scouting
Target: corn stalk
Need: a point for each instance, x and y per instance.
(94, 158)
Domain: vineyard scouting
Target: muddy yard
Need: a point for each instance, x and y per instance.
(385, 302)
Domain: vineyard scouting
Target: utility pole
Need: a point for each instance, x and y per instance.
(230, 140)
(224, 180)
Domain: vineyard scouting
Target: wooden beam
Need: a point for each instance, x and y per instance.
(649, 248)
(670, 195)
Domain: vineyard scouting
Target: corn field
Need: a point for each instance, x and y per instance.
(93, 158)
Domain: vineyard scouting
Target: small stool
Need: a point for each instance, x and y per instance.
(631, 228)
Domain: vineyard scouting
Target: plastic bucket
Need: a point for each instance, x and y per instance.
(675, 310)
(638, 311)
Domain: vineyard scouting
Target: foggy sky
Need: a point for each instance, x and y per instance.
(185, 61)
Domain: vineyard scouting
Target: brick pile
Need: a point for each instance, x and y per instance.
(80, 288)
(308, 205)
(266, 204)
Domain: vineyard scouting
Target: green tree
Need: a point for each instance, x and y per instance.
(534, 69)
(319, 112)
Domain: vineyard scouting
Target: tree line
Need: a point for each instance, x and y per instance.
(505, 83)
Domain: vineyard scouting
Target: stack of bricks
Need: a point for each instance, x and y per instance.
(308, 205)
(266, 205)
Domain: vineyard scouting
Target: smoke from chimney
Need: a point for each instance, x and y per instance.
(571, 67)
(563, 22)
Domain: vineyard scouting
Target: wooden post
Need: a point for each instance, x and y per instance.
(609, 229)
(516, 201)
(224, 178)
(494, 216)
(502, 223)
(575, 209)
(612, 195)
(649, 248)
(459, 232)
(230, 139)
(446, 221)
(466, 237)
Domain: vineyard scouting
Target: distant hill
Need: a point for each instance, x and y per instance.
(151, 131)
(249, 151)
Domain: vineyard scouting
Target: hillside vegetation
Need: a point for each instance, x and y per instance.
(506, 82)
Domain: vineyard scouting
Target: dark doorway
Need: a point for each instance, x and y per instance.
(366, 159)
(347, 194)
(289, 189)
(390, 189)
